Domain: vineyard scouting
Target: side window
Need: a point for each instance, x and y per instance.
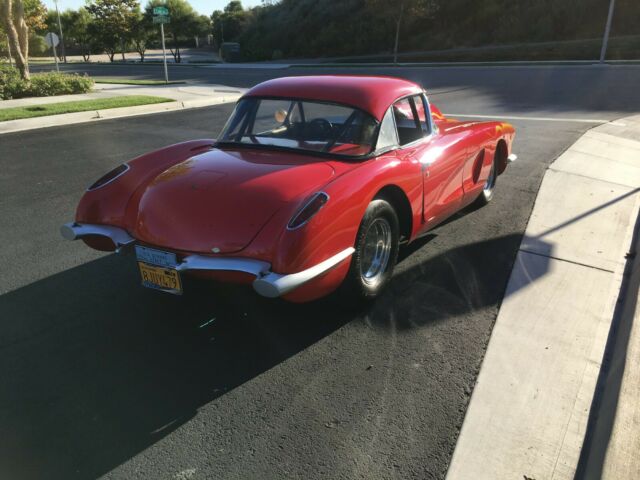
(409, 129)
(422, 113)
(387, 137)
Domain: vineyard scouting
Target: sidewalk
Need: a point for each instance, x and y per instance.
(530, 408)
(177, 92)
(184, 96)
(189, 54)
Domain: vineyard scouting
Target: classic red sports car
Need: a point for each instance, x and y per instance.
(311, 187)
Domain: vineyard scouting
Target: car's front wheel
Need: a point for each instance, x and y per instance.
(376, 252)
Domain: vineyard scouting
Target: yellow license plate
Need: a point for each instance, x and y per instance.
(160, 278)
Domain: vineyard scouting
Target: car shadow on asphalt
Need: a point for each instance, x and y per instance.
(95, 369)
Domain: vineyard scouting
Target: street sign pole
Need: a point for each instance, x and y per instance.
(55, 55)
(607, 30)
(164, 55)
(161, 16)
(52, 40)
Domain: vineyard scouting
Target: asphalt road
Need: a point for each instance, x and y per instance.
(101, 377)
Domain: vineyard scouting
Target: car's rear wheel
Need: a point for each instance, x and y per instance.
(376, 253)
(489, 186)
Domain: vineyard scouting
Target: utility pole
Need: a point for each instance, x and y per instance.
(395, 46)
(607, 31)
(64, 55)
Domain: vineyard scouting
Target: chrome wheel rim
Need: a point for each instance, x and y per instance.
(491, 181)
(376, 250)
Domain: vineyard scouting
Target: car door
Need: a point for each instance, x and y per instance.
(411, 133)
(442, 163)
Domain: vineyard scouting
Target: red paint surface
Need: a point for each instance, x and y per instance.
(373, 94)
(192, 198)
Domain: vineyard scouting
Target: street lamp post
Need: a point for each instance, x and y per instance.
(64, 55)
(607, 30)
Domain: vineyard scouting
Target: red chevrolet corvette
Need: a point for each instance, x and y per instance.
(311, 187)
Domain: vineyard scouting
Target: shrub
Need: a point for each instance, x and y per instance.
(41, 85)
(48, 84)
(11, 85)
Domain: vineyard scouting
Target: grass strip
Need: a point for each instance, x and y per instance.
(126, 81)
(31, 111)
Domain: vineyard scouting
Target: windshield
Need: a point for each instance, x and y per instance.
(301, 125)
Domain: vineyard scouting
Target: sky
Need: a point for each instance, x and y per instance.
(205, 7)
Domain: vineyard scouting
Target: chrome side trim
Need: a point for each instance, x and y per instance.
(247, 265)
(274, 284)
(512, 158)
(119, 236)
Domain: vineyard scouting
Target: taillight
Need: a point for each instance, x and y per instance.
(109, 177)
(308, 210)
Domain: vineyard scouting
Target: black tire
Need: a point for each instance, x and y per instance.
(489, 187)
(366, 278)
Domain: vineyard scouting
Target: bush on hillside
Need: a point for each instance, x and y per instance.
(42, 84)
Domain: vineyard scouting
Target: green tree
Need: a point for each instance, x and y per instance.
(142, 34)
(399, 12)
(183, 25)
(77, 28)
(230, 23)
(113, 22)
(18, 17)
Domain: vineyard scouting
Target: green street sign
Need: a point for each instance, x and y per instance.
(161, 11)
(161, 19)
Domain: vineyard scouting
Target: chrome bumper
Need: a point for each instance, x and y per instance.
(119, 237)
(267, 283)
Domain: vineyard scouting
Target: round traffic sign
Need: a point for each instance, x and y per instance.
(51, 39)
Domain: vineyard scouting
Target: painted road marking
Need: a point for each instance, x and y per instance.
(533, 119)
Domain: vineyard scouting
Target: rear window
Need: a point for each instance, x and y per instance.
(301, 125)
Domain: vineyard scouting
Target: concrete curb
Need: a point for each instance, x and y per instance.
(530, 408)
(524, 63)
(612, 442)
(12, 126)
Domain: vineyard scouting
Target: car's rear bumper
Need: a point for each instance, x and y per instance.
(266, 283)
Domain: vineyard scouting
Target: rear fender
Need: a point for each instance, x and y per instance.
(506, 134)
(112, 205)
(335, 226)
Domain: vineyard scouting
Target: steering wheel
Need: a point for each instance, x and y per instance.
(320, 128)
